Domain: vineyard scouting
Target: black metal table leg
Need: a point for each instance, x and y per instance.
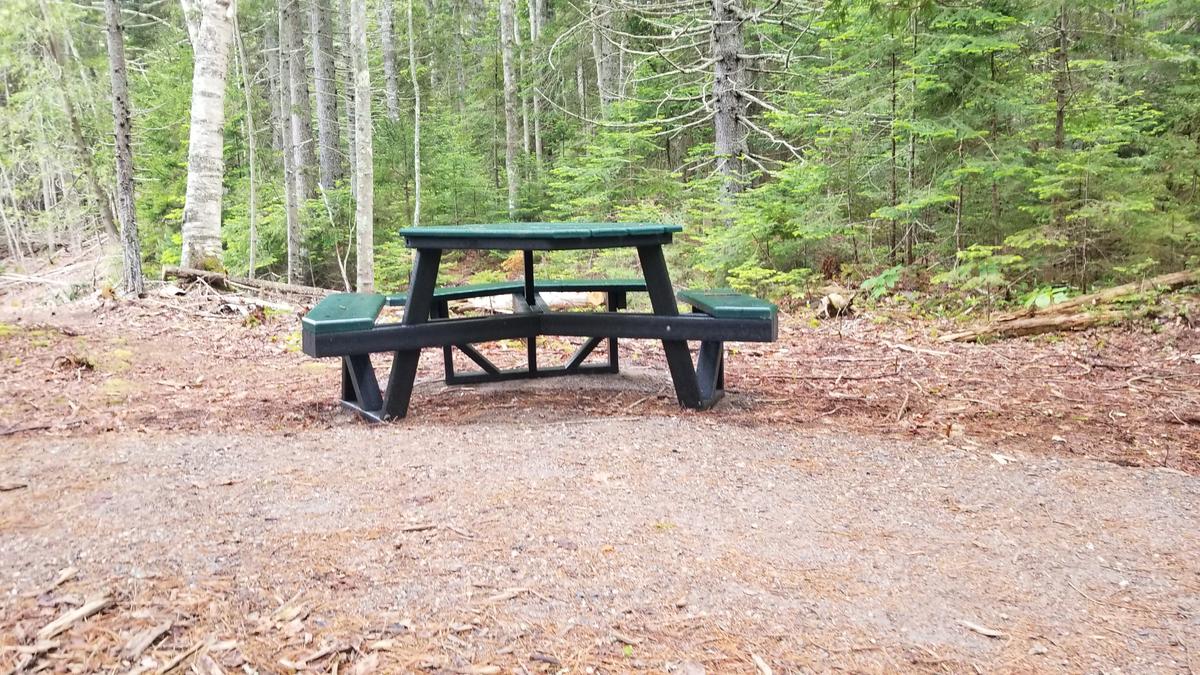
(416, 311)
(616, 302)
(531, 300)
(662, 299)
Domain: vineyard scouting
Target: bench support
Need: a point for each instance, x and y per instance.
(575, 365)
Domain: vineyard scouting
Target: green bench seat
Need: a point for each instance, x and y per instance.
(725, 303)
(343, 312)
(507, 287)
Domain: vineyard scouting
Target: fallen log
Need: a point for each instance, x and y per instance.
(1166, 282)
(1039, 324)
(226, 282)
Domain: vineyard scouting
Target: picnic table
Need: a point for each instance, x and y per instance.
(344, 324)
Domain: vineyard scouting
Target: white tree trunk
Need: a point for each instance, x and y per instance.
(512, 130)
(131, 249)
(387, 32)
(364, 215)
(206, 163)
(416, 86)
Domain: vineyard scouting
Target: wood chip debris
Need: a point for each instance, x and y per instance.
(179, 658)
(141, 641)
(625, 639)
(9, 487)
(64, 575)
(78, 614)
(981, 629)
(205, 665)
(539, 657)
(760, 665)
(507, 594)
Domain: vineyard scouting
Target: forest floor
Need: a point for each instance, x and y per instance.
(864, 498)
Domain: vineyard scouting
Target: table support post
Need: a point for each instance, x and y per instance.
(531, 301)
(416, 311)
(662, 299)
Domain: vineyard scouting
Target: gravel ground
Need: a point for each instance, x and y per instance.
(535, 544)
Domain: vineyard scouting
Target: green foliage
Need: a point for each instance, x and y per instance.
(893, 142)
(884, 282)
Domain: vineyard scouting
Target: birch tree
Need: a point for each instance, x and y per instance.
(210, 24)
(511, 122)
(131, 250)
(364, 214)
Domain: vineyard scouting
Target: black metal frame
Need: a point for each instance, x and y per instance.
(427, 323)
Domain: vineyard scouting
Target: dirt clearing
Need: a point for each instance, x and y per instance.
(864, 499)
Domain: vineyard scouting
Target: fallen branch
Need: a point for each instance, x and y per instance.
(1166, 282)
(1037, 325)
(78, 614)
(226, 282)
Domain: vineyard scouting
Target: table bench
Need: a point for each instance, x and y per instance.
(344, 324)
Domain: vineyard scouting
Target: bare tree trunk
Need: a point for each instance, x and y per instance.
(364, 216)
(893, 243)
(295, 258)
(511, 132)
(252, 149)
(274, 84)
(603, 52)
(131, 249)
(348, 87)
(416, 86)
(206, 162)
(325, 78)
(581, 91)
(14, 241)
(535, 33)
(728, 99)
(391, 86)
(1061, 98)
(82, 147)
(299, 108)
(526, 136)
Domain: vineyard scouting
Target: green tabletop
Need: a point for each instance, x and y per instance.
(541, 236)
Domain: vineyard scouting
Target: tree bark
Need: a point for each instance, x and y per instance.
(82, 147)
(391, 85)
(295, 258)
(346, 67)
(206, 162)
(536, 7)
(603, 53)
(131, 249)
(728, 99)
(416, 86)
(512, 131)
(364, 164)
(299, 108)
(274, 85)
(325, 79)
